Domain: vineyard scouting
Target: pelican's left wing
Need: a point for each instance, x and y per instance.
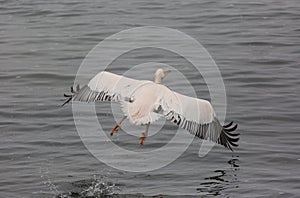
(198, 117)
(105, 86)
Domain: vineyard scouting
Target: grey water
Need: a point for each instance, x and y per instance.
(255, 45)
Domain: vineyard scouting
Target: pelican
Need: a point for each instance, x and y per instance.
(143, 102)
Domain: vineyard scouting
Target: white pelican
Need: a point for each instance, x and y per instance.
(143, 102)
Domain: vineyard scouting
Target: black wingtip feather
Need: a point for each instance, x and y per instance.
(67, 101)
(70, 96)
(231, 139)
(232, 128)
(228, 125)
(67, 95)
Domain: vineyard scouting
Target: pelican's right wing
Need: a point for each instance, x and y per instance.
(198, 117)
(105, 86)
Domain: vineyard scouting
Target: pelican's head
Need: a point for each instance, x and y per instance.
(160, 74)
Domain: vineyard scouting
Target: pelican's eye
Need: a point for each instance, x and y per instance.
(131, 99)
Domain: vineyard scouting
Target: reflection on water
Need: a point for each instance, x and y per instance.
(221, 180)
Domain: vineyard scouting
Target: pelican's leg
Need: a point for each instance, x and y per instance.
(118, 126)
(144, 135)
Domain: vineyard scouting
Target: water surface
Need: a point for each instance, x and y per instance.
(255, 44)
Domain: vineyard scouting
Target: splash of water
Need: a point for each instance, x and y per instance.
(100, 187)
(47, 181)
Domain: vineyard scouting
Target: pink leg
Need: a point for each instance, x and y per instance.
(144, 135)
(117, 127)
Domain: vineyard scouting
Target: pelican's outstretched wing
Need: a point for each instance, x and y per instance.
(105, 86)
(198, 117)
